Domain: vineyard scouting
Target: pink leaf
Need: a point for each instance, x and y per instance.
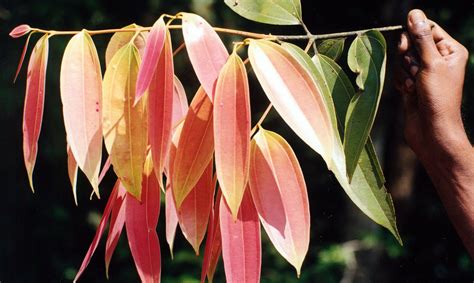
(241, 243)
(232, 131)
(180, 103)
(34, 104)
(105, 169)
(72, 172)
(279, 193)
(193, 214)
(205, 49)
(153, 48)
(117, 221)
(20, 31)
(81, 96)
(100, 230)
(213, 249)
(171, 216)
(22, 57)
(140, 223)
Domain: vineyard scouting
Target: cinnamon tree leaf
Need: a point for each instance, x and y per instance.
(332, 48)
(20, 31)
(72, 172)
(34, 104)
(22, 57)
(232, 131)
(275, 12)
(367, 57)
(81, 96)
(119, 39)
(213, 249)
(117, 222)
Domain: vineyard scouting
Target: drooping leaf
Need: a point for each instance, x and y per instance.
(22, 57)
(160, 108)
(332, 48)
(141, 219)
(72, 172)
(213, 249)
(100, 230)
(241, 243)
(232, 131)
(105, 168)
(367, 58)
(20, 31)
(275, 12)
(193, 214)
(293, 93)
(34, 104)
(279, 193)
(205, 49)
(120, 39)
(117, 222)
(125, 125)
(367, 189)
(180, 103)
(153, 48)
(81, 96)
(195, 147)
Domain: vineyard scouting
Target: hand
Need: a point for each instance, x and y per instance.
(431, 78)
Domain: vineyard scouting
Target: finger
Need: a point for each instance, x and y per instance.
(404, 83)
(420, 32)
(404, 44)
(438, 32)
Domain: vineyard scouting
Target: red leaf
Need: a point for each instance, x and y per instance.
(205, 49)
(279, 193)
(213, 249)
(160, 108)
(153, 48)
(241, 243)
(117, 221)
(141, 220)
(22, 57)
(100, 230)
(20, 31)
(195, 147)
(34, 104)
(193, 214)
(232, 131)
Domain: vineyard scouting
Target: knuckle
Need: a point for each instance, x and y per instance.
(437, 64)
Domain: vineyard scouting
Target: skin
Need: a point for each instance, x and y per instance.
(430, 79)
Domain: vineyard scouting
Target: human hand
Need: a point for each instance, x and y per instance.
(431, 78)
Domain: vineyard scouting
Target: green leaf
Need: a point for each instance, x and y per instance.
(274, 12)
(367, 58)
(332, 48)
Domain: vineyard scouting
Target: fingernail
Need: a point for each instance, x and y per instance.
(417, 17)
(414, 70)
(409, 83)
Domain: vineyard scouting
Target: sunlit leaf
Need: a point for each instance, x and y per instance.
(275, 12)
(205, 49)
(34, 104)
(22, 57)
(293, 93)
(367, 58)
(232, 131)
(72, 172)
(279, 193)
(20, 31)
(120, 39)
(125, 125)
(194, 212)
(117, 222)
(153, 48)
(213, 249)
(81, 96)
(195, 147)
(241, 243)
(332, 48)
(140, 222)
(180, 103)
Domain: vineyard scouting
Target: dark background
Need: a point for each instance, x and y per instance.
(44, 236)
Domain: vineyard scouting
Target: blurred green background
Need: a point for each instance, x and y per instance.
(44, 236)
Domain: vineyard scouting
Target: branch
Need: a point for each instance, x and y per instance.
(338, 34)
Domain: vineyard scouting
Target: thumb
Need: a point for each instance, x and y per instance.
(420, 32)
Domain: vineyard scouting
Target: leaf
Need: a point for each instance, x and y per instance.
(117, 222)
(125, 125)
(232, 131)
(105, 168)
(171, 216)
(81, 96)
(367, 57)
(160, 108)
(274, 12)
(22, 57)
(140, 221)
(72, 172)
(195, 147)
(213, 248)
(367, 189)
(180, 103)
(205, 49)
(193, 214)
(293, 93)
(99, 231)
(120, 39)
(241, 243)
(279, 193)
(34, 104)
(153, 49)
(20, 31)
(332, 48)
